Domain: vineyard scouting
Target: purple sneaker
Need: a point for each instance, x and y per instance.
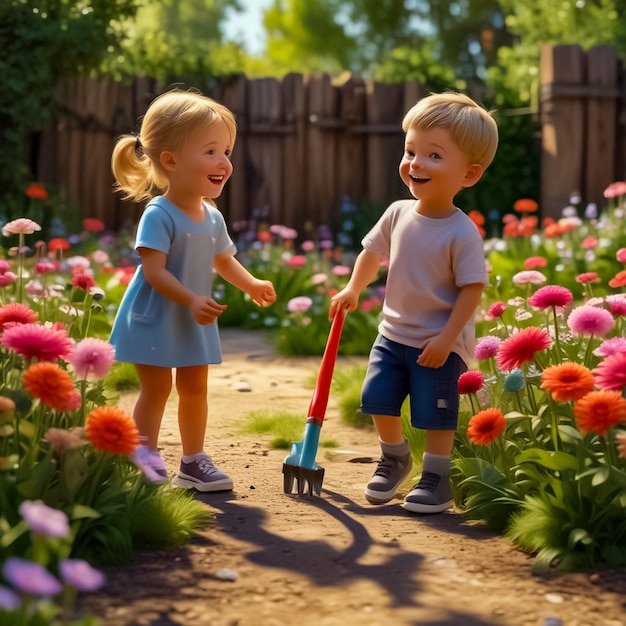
(202, 475)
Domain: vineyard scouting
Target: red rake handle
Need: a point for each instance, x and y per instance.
(319, 402)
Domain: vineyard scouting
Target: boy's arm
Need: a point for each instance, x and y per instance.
(437, 349)
(365, 269)
(230, 269)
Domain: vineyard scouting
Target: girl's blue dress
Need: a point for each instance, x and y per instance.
(150, 329)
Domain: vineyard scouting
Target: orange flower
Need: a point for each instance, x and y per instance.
(567, 381)
(600, 410)
(619, 280)
(525, 205)
(477, 217)
(36, 191)
(110, 429)
(52, 385)
(486, 426)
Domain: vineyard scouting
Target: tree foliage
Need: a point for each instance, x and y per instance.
(43, 42)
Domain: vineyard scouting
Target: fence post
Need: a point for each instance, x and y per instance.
(562, 126)
(601, 122)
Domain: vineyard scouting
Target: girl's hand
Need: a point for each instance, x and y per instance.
(262, 293)
(205, 310)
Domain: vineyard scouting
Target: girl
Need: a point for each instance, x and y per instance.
(167, 318)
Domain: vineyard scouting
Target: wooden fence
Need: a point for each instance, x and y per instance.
(306, 142)
(303, 144)
(583, 124)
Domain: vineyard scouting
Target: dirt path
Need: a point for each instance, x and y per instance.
(331, 560)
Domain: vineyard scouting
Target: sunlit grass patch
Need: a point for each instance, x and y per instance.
(285, 428)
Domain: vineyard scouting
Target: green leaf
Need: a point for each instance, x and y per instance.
(550, 459)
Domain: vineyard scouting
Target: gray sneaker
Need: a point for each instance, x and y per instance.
(390, 473)
(202, 475)
(432, 494)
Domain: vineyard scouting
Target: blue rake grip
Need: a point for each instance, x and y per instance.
(303, 452)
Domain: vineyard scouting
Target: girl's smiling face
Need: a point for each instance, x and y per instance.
(201, 167)
(435, 169)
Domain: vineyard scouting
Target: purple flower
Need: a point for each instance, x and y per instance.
(80, 575)
(9, 600)
(44, 520)
(31, 578)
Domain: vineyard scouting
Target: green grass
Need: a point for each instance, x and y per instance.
(285, 428)
(122, 377)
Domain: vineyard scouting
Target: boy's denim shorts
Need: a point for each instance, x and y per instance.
(393, 374)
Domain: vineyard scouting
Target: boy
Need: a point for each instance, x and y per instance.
(434, 284)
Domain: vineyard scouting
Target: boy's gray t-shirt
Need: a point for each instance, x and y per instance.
(429, 261)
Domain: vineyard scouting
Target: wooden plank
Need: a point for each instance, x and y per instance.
(601, 124)
(562, 135)
(294, 150)
(385, 105)
(235, 200)
(351, 144)
(320, 203)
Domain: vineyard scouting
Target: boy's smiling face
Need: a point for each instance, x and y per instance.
(435, 169)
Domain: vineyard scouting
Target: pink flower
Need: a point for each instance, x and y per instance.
(7, 278)
(297, 260)
(486, 347)
(44, 343)
(614, 190)
(319, 278)
(471, 381)
(522, 347)
(308, 245)
(20, 226)
(341, 270)
(529, 277)
(588, 277)
(617, 304)
(550, 296)
(590, 320)
(611, 346)
(611, 373)
(44, 267)
(620, 255)
(92, 358)
(589, 242)
(496, 310)
(299, 304)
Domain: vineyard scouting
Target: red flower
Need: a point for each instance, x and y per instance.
(477, 217)
(533, 262)
(84, 281)
(93, 224)
(16, 313)
(521, 347)
(36, 191)
(600, 410)
(471, 381)
(486, 426)
(44, 343)
(588, 277)
(496, 310)
(58, 244)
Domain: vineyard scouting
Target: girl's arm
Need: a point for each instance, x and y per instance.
(203, 308)
(231, 270)
(365, 269)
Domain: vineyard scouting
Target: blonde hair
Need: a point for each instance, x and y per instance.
(168, 123)
(472, 127)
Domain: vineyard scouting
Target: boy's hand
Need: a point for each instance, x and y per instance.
(347, 299)
(262, 293)
(205, 310)
(435, 353)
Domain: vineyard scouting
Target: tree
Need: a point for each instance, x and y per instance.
(42, 43)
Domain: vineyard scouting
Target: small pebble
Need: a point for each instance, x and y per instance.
(227, 574)
(552, 621)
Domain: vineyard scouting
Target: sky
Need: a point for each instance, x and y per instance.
(247, 25)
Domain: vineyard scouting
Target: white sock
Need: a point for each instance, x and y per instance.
(436, 463)
(190, 458)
